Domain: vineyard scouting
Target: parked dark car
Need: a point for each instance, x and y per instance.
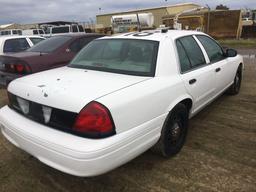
(51, 53)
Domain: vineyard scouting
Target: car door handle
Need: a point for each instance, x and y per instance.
(192, 81)
(218, 70)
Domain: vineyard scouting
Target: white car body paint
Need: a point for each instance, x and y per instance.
(3, 39)
(138, 105)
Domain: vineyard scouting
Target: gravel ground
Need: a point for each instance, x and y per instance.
(219, 155)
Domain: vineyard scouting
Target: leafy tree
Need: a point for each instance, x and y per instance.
(222, 7)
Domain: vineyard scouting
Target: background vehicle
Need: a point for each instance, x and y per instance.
(13, 44)
(126, 23)
(117, 98)
(64, 29)
(33, 32)
(11, 32)
(51, 53)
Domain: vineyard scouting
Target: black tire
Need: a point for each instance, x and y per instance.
(174, 132)
(235, 87)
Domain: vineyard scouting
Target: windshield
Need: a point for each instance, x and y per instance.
(49, 45)
(126, 56)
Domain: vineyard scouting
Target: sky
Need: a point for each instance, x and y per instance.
(34, 11)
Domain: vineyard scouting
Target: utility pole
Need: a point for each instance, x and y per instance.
(208, 20)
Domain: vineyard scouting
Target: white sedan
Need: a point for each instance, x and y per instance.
(119, 97)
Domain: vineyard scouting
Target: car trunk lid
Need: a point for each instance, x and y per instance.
(70, 89)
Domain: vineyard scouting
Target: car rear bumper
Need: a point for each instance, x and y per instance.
(76, 155)
(6, 78)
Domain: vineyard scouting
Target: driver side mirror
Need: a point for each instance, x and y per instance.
(231, 53)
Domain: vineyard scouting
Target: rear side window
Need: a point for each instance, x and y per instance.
(184, 61)
(35, 40)
(5, 32)
(15, 45)
(214, 51)
(192, 51)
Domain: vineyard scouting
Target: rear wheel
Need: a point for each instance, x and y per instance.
(174, 132)
(235, 87)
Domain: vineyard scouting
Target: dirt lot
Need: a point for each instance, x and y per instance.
(219, 155)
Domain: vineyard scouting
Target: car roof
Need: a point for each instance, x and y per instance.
(155, 35)
(81, 34)
(5, 37)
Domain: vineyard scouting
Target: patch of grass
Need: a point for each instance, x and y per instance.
(241, 43)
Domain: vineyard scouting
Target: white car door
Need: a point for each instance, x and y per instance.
(196, 72)
(224, 76)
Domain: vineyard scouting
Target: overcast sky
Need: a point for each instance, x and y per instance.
(32, 11)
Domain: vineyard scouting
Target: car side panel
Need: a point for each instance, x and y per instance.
(203, 90)
(143, 102)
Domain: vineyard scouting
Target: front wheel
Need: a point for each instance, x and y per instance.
(174, 132)
(235, 87)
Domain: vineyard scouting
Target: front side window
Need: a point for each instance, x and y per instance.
(35, 32)
(74, 28)
(50, 45)
(125, 56)
(81, 29)
(15, 45)
(41, 31)
(193, 51)
(214, 51)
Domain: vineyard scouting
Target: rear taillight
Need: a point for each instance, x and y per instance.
(94, 120)
(19, 68)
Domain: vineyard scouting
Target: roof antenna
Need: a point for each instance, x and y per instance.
(138, 21)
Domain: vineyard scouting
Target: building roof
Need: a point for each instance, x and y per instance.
(147, 9)
(6, 25)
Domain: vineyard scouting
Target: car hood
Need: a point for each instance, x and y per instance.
(70, 89)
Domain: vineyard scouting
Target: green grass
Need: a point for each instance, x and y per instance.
(241, 43)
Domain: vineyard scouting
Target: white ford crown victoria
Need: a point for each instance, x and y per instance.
(119, 97)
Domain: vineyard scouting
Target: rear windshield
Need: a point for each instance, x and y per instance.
(60, 29)
(49, 45)
(15, 45)
(125, 56)
(35, 40)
